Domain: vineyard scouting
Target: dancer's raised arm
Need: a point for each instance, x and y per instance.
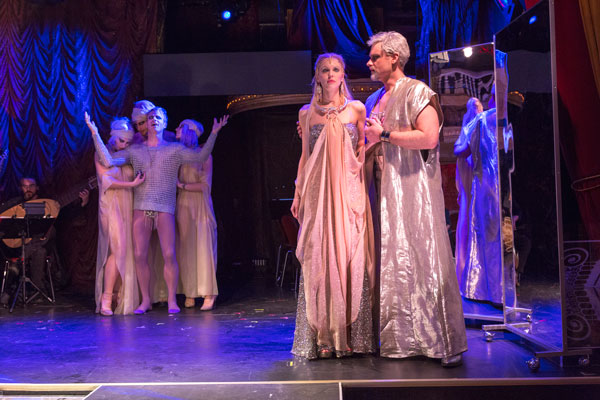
(104, 156)
(190, 155)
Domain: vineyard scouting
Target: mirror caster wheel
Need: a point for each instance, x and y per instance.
(584, 361)
(533, 364)
(529, 318)
(489, 336)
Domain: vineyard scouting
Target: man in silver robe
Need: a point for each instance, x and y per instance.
(478, 240)
(420, 304)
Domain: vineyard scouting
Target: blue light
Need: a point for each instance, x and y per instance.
(226, 14)
(532, 20)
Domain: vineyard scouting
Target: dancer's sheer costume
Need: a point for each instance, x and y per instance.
(115, 213)
(197, 240)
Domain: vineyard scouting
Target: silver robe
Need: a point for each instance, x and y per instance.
(478, 240)
(420, 305)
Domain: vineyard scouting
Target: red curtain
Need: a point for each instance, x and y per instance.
(580, 103)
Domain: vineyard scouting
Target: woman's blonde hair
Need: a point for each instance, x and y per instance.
(317, 90)
(190, 137)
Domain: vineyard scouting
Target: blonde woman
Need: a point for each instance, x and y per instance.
(115, 260)
(335, 244)
(196, 223)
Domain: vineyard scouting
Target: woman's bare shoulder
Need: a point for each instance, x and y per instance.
(357, 105)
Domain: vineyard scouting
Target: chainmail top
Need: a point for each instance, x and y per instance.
(316, 129)
(161, 166)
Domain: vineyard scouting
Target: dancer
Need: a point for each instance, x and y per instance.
(420, 305)
(335, 246)
(196, 223)
(139, 116)
(154, 200)
(115, 212)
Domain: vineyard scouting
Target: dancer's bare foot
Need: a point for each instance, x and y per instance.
(106, 307)
(143, 308)
(190, 302)
(173, 307)
(209, 303)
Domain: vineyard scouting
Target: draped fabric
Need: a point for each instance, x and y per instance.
(590, 15)
(115, 215)
(338, 26)
(420, 303)
(57, 61)
(335, 246)
(197, 229)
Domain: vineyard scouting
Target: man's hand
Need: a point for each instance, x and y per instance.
(373, 130)
(84, 195)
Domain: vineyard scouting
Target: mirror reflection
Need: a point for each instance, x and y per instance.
(532, 199)
(465, 81)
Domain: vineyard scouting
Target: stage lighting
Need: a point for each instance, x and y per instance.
(532, 20)
(468, 51)
(226, 15)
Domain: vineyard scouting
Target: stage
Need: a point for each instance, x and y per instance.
(242, 350)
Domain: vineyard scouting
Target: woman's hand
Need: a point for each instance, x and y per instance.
(180, 185)
(140, 177)
(294, 209)
(217, 125)
(91, 124)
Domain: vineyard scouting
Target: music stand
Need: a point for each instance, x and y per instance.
(34, 223)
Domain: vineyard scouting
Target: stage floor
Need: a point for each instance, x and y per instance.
(243, 344)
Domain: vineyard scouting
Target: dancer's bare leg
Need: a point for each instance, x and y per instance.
(166, 228)
(142, 229)
(110, 277)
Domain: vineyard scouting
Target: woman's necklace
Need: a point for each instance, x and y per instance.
(331, 111)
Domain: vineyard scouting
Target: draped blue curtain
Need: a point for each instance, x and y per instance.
(338, 26)
(56, 61)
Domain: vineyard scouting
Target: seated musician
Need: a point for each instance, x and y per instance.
(38, 248)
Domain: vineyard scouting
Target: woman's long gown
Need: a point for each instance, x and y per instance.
(335, 245)
(197, 234)
(115, 214)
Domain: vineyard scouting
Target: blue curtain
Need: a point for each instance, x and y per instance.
(338, 26)
(56, 61)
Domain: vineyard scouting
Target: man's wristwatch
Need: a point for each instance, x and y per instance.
(385, 136)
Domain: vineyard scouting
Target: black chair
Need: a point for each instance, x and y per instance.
(290, 228)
